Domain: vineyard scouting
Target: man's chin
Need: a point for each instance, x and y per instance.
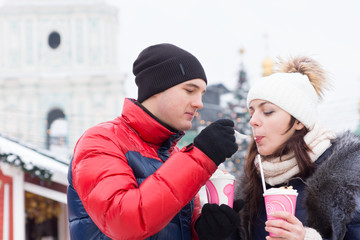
(187, 127)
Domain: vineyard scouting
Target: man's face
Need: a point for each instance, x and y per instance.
(177, 105)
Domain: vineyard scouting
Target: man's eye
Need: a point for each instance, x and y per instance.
(189, 90)
(268, 112)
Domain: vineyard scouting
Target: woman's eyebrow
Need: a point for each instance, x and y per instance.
(261, 104)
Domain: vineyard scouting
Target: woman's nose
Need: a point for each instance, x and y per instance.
(254, 121)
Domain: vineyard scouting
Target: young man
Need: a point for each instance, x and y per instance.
(129, 180)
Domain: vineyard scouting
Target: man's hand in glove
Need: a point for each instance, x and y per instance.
(216, 222)
(217, 140)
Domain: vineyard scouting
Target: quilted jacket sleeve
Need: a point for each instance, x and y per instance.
(111, 196)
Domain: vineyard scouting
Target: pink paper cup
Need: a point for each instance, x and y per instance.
(280, 200)
(220, 189)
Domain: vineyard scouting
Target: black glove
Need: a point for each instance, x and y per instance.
(217, 140)
(216, 222)
(238, 205)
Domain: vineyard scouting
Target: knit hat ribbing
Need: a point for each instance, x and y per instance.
(292, 92)
(163, 66)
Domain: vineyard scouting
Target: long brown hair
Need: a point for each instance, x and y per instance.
(253, 188)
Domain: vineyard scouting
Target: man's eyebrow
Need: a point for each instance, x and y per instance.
(191, 85)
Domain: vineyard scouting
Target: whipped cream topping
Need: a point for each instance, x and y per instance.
(222, 174)
(280, 191)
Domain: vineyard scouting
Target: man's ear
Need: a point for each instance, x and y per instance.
(299, 125)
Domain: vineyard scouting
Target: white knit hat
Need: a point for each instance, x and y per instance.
(292, 92)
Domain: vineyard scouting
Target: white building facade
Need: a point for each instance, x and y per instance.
(58, 70)
(59, 75)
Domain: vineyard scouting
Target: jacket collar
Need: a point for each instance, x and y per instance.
(146, 126)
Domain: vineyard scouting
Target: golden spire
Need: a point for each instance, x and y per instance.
(242, 51)
(267, 63)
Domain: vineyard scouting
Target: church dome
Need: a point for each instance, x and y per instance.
(267, 66)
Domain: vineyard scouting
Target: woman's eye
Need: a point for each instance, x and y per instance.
(268, 112)
(189, 90)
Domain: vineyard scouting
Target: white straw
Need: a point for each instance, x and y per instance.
(261, 172)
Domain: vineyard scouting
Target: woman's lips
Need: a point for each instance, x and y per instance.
(258, 139)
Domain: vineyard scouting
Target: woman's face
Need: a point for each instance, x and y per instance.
(269, 125)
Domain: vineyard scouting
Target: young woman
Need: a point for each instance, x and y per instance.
(297, 151)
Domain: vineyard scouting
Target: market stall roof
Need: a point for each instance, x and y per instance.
(36, 157)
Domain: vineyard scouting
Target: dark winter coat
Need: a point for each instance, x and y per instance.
(328, 201)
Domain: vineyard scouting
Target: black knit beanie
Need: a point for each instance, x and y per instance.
(163, 66)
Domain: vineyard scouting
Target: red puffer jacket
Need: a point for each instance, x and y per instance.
(106, 185)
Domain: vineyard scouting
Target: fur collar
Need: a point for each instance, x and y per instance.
(333, 191)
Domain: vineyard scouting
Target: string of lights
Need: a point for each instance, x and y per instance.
(43, 174)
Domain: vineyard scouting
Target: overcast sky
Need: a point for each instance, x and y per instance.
(214, 31)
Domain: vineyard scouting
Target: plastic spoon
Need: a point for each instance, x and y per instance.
(240, 137)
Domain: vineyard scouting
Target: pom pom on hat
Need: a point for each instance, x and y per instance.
(297, 88)
(163, 66)
(308, 67)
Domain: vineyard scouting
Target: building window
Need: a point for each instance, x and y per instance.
(57, 132)
(54, 40)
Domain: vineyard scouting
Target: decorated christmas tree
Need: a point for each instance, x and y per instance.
(238, 112)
